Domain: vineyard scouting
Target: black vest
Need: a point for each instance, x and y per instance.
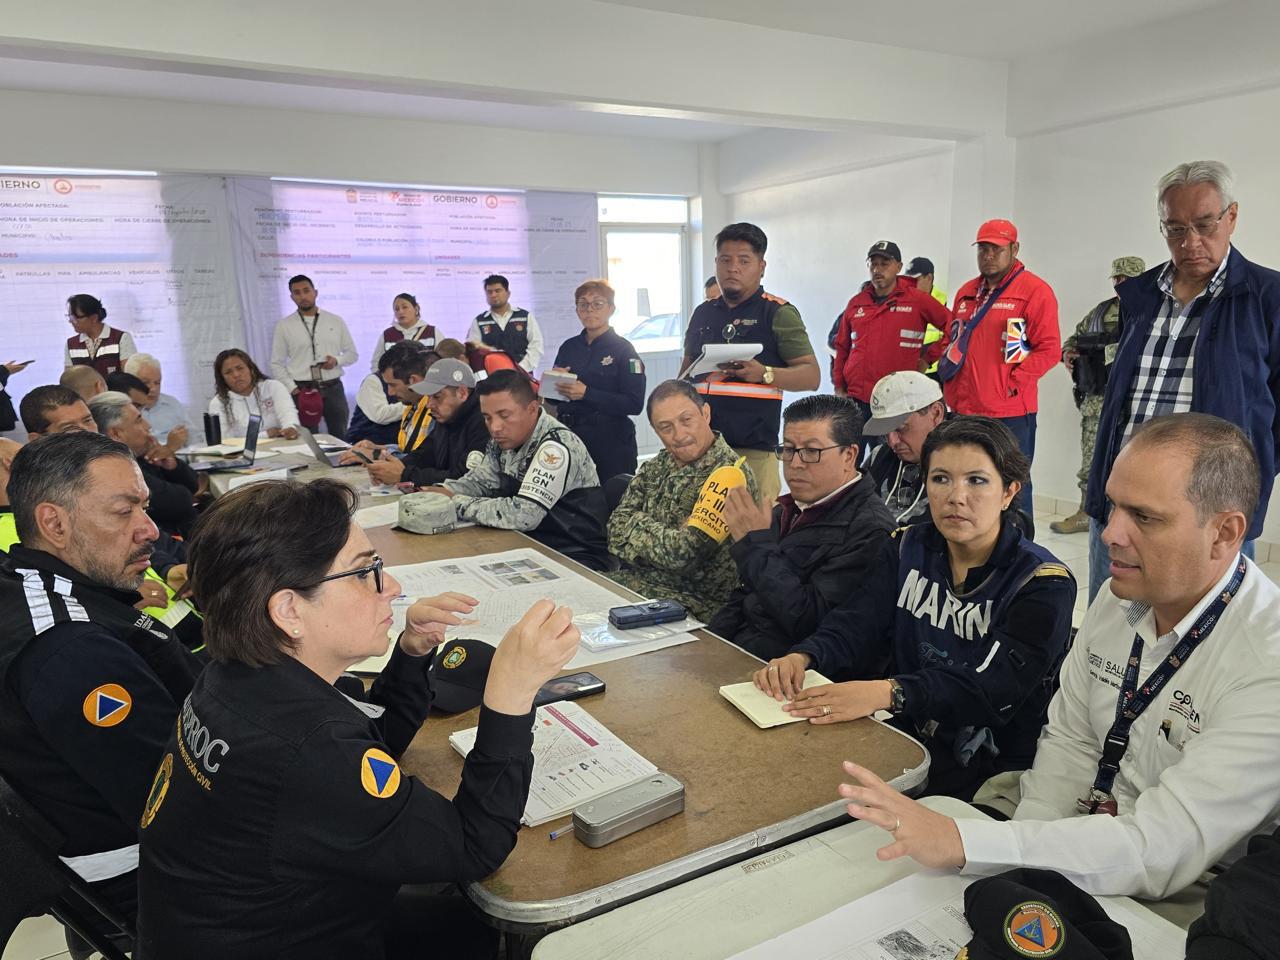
(513, 341)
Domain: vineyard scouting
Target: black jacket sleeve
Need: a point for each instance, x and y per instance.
(475, 436)
(406, 832)
(171, 507)
(855, 639)
(1240, 919)
(1023, 647)
(167, 553)
(402, 690)
(790, 600)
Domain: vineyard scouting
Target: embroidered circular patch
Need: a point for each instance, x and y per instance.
(454, 658)
(107, 705)
(1034, 929)
(379, 774)
(159, 790)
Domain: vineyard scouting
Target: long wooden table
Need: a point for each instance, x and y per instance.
(746, 789)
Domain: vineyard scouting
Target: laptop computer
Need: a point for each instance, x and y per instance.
(250, 451)
(323, 458)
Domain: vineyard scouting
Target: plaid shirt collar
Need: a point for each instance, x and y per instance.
(1165, 282)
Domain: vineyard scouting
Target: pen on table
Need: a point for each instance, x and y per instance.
(567, 828)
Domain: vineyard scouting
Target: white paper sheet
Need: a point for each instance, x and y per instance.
(547, 385)
(762, 709)
(714, 354)
(243, 479)
(507, 584)
(378, 516)
(921, 917)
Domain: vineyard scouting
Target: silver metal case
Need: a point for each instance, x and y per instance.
(628, 809)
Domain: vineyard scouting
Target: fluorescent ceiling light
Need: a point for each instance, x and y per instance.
(396, 186)
(79, 172)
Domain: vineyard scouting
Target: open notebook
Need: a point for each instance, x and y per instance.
(762, 709)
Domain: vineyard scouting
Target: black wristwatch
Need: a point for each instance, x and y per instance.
(897, 697)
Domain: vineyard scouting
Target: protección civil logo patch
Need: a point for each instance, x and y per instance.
(379, 774)
(1034, 929)
(107, 705)
(159, 790)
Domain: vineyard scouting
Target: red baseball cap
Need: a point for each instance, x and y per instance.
(1001, 232)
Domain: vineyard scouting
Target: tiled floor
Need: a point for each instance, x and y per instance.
(41, 938)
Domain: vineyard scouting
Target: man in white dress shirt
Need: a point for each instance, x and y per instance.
(1142, 807)
(309, 350)
(166, 414)
(513, 330)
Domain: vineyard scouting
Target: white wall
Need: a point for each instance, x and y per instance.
(56, 129)
(819, 231)
(1087, 194)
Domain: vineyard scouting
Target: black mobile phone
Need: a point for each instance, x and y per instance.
(569, 688)
(647, 614)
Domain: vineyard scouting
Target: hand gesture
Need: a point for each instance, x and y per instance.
(742, 514)
(783, 678)
(426, 620)
(834, 702)
(531, 653)
(572, 390)
(929, 838)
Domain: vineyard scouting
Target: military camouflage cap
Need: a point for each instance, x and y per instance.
(1127, 267)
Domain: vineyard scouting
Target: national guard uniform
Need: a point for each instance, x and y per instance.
(91, 687)
(548, 488)
(664, 557)
(614, 377)
(280, 825)
(1096, 339)
(976, 663)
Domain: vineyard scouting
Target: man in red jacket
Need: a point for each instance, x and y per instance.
(882, 329)
(1004, 338)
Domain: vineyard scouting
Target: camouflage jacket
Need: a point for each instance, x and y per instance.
(662, 557)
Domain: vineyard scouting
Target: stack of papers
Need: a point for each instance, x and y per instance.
(599, 635)
(714, 354)
(762, 709)
(575, 760)
(547, 385)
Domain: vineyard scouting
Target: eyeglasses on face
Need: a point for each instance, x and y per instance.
(807, 454)
(375, 568)
(592, 304)
(1204, 227)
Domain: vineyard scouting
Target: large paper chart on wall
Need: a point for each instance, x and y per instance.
(155, 251)
(363, 245)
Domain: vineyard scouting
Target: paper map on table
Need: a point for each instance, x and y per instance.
(575, 759)
(921, 917)
(507, 584)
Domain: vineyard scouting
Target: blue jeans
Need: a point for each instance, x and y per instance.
(1024, 431)
(1100, 559)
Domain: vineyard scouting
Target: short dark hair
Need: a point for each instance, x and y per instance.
(1225, 476)
(301, 278)
(55, 469)
(672, 388)
(84, 304)
(991, 435)
(712, 281)
(843, 414)
(122, 382)
(497, 278)
(406, 358)
(449, 347)
(405, 296)
(746, 232)
(35, 406)
(245, 548)
(514, 382)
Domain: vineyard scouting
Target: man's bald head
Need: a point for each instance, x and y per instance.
(84, 380)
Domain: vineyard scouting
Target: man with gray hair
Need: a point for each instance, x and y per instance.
(166, 414)
(1200, 332)
(173, 485)
(92, 685)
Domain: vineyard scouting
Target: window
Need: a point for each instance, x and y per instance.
(644, 244)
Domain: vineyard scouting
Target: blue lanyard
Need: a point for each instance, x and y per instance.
(1134, 700)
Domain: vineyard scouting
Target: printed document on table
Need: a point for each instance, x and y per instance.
(576, 758)
(921, 917)
(714, 354)
(507, 584)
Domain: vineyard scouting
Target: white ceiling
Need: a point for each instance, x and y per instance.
(974, 28)
(80, 78)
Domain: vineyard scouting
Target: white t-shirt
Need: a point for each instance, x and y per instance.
(269, 399)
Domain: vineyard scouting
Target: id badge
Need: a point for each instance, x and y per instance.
(317, 372)
(1016, 347)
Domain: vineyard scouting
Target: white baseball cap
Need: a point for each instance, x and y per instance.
(896, 397)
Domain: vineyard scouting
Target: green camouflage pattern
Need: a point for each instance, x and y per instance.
(662, 557)
(1090, 413)
(1127, 267)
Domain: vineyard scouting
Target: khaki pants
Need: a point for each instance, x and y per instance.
(765, 467)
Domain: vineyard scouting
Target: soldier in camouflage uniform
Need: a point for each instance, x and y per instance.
(1088, 354)
(535, 475)
(667, 529)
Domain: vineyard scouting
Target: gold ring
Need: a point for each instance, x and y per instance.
(896, 827)
(773, 666)
(826, 710)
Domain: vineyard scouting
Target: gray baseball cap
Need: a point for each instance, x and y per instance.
(427, 512)
(446, 372)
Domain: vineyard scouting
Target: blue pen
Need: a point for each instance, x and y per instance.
(568, 828)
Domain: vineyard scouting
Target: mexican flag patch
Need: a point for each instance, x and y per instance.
(635, 366)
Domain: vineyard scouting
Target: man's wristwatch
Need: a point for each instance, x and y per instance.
(897, 697)
(768, 375)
